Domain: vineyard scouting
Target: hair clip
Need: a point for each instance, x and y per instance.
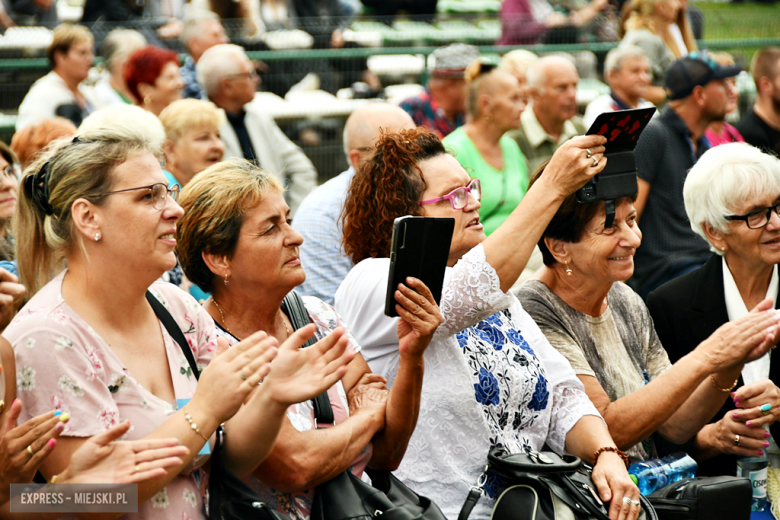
(36, 186)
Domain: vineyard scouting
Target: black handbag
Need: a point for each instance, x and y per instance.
(229, 497)
(346, 496)
(539, 485)
(704, 498)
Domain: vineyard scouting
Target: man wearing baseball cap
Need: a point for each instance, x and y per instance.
(441, 108)
(666, 150)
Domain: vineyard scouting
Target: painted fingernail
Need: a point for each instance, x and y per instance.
(52, 442)
(64, 417)
(760, 452)
(57, 413)
(59, 427)
(766, 435)
(16, 400)
(735, 416)
(748, 423)
(766, 407)
(766, 444)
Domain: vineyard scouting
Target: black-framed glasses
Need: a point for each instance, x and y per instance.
(757, 218)
(158, 193)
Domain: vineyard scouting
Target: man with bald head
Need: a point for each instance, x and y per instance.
(317, 219)
(551, 120)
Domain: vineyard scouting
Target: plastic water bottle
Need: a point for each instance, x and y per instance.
(755, 468)
(654, 474)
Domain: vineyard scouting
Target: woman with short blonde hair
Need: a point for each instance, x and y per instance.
(193, 141)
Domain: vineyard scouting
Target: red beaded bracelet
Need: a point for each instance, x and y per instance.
(613, 450)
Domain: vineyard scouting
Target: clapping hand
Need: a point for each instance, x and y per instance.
(104, 460)
(11, 297)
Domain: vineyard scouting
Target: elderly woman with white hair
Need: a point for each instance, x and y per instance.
(115, 50)
(606, 332)
(732, 196)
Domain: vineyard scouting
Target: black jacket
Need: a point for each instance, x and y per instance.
(686, 311)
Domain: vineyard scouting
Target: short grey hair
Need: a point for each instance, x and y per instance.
(725, 177)
(120, 42)
(217, 63)
(125, 118)
(618, 55)
(192, 25)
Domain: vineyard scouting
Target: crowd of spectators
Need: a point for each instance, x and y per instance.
(160, 181)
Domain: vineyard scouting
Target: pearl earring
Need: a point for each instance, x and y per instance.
(226, 279)
(97, 237)
(568, 269)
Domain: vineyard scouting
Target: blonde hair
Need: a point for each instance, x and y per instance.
(181, 115)
(641, 17)
(215, 202)
(519, 60)
(479, 75)
(66, 35)
(71, 169)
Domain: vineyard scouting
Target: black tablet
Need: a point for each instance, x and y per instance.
(420, 248)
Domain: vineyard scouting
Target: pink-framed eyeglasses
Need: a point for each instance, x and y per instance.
(459, 197)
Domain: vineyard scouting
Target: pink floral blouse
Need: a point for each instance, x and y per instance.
(298, 505)
(61, 363)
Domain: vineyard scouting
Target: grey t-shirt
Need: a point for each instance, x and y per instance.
(619, 348)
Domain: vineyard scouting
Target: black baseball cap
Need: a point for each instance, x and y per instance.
(697, 68)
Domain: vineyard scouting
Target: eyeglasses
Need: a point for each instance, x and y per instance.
(12, 172)
(459, 197)
(252, 74)
(158, 193)
(758, 218)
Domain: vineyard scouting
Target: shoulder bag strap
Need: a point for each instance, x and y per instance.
(299, 317)
(173, 329)
(471, 501)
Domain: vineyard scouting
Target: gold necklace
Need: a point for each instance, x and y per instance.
(224, 324)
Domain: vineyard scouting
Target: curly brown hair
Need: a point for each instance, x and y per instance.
(387, 186)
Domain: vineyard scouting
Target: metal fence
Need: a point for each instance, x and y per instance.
(396, 50)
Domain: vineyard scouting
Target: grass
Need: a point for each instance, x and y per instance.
(729, 21)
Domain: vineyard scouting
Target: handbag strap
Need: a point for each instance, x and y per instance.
(471, 500)
(173, 329)
(299, 317)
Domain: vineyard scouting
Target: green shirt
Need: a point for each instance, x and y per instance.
(502, 190)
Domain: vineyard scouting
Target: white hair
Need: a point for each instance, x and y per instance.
(725, 177)
(192, 25)
(616, 56)
(217, 63)
(126, 118)
(538, 72)
(120, 42)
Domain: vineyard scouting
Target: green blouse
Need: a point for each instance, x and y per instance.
(502, 190)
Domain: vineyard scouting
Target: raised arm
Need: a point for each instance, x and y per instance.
(510, 246)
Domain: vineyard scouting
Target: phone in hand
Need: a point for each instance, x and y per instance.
(420, 249)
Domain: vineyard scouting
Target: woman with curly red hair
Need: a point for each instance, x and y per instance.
(152, 75)
(491, 377)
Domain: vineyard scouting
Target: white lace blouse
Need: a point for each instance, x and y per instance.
(491, 378)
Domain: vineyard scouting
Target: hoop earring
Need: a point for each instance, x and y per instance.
(568, 269)
(97, 237)
(226, 279)
(147, 100)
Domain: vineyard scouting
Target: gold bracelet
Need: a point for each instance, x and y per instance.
(194, 426)
(726, 390)
(53, 479)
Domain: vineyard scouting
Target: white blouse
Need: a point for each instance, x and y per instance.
(491, 378)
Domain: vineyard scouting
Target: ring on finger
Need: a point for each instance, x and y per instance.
(588, 154)
(243, 376)
(736, 440)
(137, 469)
(636, 503)
(29, 450)
(595, 161)
(627, 500)
(764, 409)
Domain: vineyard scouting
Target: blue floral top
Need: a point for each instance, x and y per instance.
(491, 378)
